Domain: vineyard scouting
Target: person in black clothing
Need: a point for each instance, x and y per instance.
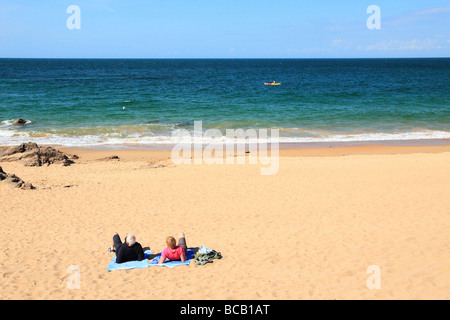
(128, 251)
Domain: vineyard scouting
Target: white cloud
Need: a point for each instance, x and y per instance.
(336, 42)
(433, 10)
(341, 44)
(397, 45)
(418, 15)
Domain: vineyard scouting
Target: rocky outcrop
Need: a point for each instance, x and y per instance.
(32, 155)
(14, 180)
(7, 151)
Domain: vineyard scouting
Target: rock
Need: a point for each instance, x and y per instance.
(7, 151)
(31, 155)
(27, 186)
(49, 155)
(109, 158)
(15, 181)
(19, 122)
(3, 174)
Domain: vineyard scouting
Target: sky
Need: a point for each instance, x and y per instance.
(224, 29)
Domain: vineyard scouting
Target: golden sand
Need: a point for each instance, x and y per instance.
(309, 232)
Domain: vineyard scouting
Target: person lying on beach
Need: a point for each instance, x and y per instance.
(128, 251)
(174, 251)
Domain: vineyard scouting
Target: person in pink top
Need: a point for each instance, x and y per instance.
(174, 251)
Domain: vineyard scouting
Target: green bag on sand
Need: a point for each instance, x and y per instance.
(204, 258)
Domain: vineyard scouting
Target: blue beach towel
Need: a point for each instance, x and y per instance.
(113, 265)
(171, 264)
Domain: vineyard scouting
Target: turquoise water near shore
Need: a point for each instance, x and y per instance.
(99, 102)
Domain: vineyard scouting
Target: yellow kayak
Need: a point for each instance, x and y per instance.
(272, 84)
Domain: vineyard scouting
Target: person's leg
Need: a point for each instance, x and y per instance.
(116, 241)
(182, 241)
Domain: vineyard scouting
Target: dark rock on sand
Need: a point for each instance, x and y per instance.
(109, 158)
(31, 155)
(15, 180)
(19, 122)
(3, 174)
(24, 147)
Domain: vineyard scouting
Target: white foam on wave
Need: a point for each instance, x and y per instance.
(7, 123)
(375, 136)
(13, 136)
(8, 130)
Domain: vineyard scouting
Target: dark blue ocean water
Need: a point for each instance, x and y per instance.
(81, 102)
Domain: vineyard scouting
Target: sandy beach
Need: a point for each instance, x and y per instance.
(309, 232)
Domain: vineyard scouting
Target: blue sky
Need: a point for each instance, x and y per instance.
(224, 29)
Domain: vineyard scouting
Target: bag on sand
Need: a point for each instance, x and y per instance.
(204, 258)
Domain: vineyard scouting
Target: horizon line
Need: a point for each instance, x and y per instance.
(142, 58)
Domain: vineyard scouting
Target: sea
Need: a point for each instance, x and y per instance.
(141, 103)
